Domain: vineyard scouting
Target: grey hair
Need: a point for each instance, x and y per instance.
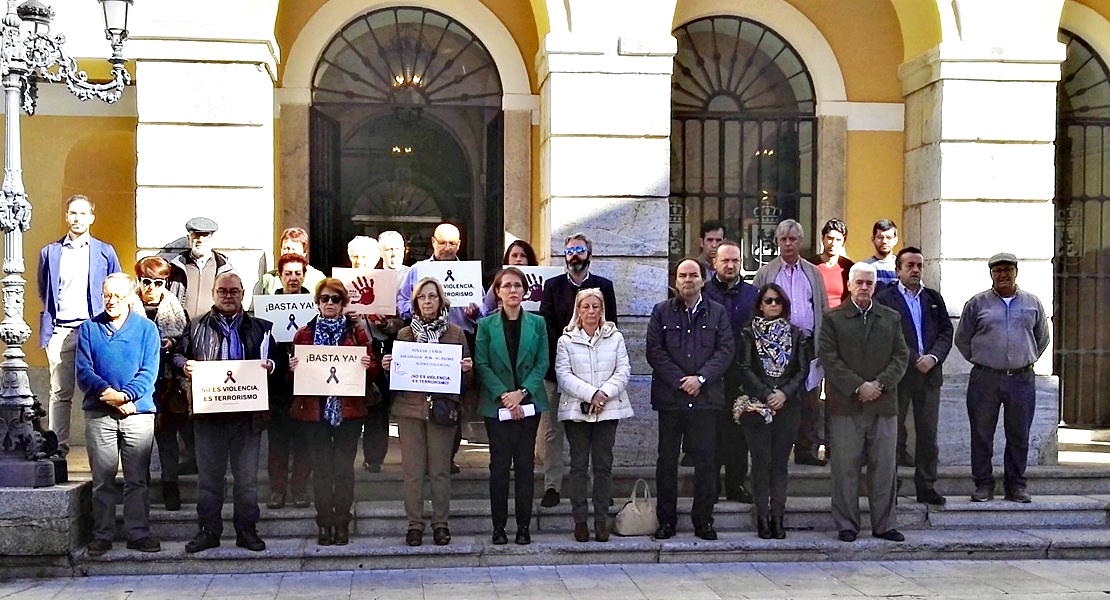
(132, 285)
(360, 240)
(786, 226)
(388, 235)
(862, 267)
(585, 240)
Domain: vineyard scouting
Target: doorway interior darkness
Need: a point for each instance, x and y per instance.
(406, 132)
(743, 137)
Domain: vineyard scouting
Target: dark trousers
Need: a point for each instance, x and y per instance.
(333, 469)
(698, 430)
(591, 443)
(732, 453)
(375, 434)
(512, 445)
(915, 390)
(986, 394)
(808, 439)
(770, 446)
(220, 439)
(287, 443)
(167, 425)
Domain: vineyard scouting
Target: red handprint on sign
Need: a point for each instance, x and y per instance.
(364, 291)
(535, 288)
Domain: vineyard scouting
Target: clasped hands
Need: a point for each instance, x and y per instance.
(118, 400)
(511, 400)
(869, 391)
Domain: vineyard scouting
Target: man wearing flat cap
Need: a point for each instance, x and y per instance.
(1002, 332)
(195, 269)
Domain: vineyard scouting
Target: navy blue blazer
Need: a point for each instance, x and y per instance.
(936, 327)
(102, 263)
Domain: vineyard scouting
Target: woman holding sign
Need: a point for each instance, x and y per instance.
(511, 355)
(427, 446)
(333, 424)
(591, 363)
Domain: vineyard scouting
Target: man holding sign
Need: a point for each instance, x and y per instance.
(445, 247)
(226, 333)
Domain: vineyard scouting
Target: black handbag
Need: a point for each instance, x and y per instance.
(444, 409)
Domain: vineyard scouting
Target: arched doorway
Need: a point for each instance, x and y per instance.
(1082, 258)
(405, 132)
(743, 136)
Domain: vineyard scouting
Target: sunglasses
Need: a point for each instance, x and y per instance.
(575, 250)
(769, 301)
(147, 281)
(330, 299)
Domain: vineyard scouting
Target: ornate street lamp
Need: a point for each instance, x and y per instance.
(28, 53)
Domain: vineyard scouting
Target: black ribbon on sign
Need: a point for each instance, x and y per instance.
(229, 379)
(292, 322)
(450, 276)
(332, 376)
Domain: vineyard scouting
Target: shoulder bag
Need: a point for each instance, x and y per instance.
(638, 515)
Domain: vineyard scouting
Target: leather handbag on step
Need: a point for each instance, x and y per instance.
(638, 515)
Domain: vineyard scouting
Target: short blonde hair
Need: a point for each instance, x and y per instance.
(578, 298)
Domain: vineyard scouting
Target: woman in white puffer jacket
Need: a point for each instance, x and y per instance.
(591, 365)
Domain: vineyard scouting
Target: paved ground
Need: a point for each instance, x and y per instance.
(1013, 580)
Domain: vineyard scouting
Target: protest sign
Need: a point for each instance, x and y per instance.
(329, 371)
(461, 279)
(429, 368)
(288, 313)
(221, 386)
(371, 291)
(535, 277)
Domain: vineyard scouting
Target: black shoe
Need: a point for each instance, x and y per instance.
(326, 537)
(203, 541)
(415, 537)
(665, 532)
(499, 537)
(250, 540)
(982, 493)
(931, 497)
(687, 460)
(455, 468)
(777, 530)
(98, 547)
(705, 531)
(301, 500)
(905, 460)
(550, 498)
(372, 468)
(441, 536)
(846, 535)
(147, 544)
(741, 495)
(188, 467)
(171, 496)
(523, 538)
(342, 534)
(763, 528)
(809, 459)
(890, 535)
(1019, 495)
(276, 501)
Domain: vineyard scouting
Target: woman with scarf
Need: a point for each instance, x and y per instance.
(332, 425)
(774, 362)
(426, 446)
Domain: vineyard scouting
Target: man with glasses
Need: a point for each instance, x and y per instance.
(227, 333)
(446, 240)
(195, 270)
(70, 275)
(557, 307)
(884, 236)
(1002, 332)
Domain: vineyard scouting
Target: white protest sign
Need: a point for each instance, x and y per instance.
(461, 279)
(535, 277)
(372, 291)
(288, 313)
(221, 386)
(329, 371)
(429, 368)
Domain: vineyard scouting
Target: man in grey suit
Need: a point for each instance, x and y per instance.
(808, 302)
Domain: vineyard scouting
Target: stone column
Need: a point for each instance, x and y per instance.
(980, 179)
(605, 156)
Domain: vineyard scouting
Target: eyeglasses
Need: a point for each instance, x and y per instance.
(427, 298)
(575, 250)
(330, 299)
(147, 281)
(451, 243)
(113, 297)
(512, 285)
(769, 300)
(1005, 269)
(221, 292)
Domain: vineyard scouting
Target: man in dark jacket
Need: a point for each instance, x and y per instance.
(864, 355)
(689, 347)
(556, 308)
(195, 270)
(227, 333)
(928, 333)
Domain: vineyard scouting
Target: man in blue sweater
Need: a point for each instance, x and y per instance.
(117, 363)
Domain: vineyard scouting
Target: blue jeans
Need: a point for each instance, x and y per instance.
(987, 393)
(110, 438)
(218, 439)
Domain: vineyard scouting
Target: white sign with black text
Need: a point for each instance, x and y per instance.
(221, 386)
(288, 313)
(428, 368)
(461, 279)
(329, 371)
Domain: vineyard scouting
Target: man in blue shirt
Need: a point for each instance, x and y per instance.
(70, 275)
(884, 236)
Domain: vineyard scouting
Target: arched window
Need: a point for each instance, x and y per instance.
(743, 136)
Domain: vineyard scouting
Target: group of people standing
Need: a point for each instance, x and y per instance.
(731, 376)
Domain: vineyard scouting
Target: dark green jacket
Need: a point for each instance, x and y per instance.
(491, 360)
(854, 350)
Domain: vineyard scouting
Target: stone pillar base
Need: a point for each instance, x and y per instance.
(40, 528)
(17, 473)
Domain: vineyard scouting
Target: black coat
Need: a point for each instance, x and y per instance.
(557, 307)
(754, 380)
(936, 328)
(678, 346)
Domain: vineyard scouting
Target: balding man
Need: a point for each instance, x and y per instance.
(446, 241)
(227, 333)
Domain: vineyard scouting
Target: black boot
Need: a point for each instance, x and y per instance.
(171, 495)
(763, 528)
(777, 530)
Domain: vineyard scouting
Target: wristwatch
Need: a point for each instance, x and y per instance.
(524, 393)
(701, 379)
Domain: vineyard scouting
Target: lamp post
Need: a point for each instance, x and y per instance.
(29, 53)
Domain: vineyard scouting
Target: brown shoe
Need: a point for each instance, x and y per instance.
(601, 531)
(581, 532)
(342, 534)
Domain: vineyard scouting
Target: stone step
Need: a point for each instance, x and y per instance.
(376, 553)
(471, 517)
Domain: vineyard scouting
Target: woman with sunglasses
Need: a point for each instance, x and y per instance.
(773, 362)
(518, 254)
(169, 392)
(511, 356)
(426, 447)
(331, 424)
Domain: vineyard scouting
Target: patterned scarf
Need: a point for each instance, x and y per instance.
(773, 343)
(231, 347)
(429, 333)
(327, 333)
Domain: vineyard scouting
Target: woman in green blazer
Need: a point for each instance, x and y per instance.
(510, 354)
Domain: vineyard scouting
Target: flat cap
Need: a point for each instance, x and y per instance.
(201, 225)
(1002, 258)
